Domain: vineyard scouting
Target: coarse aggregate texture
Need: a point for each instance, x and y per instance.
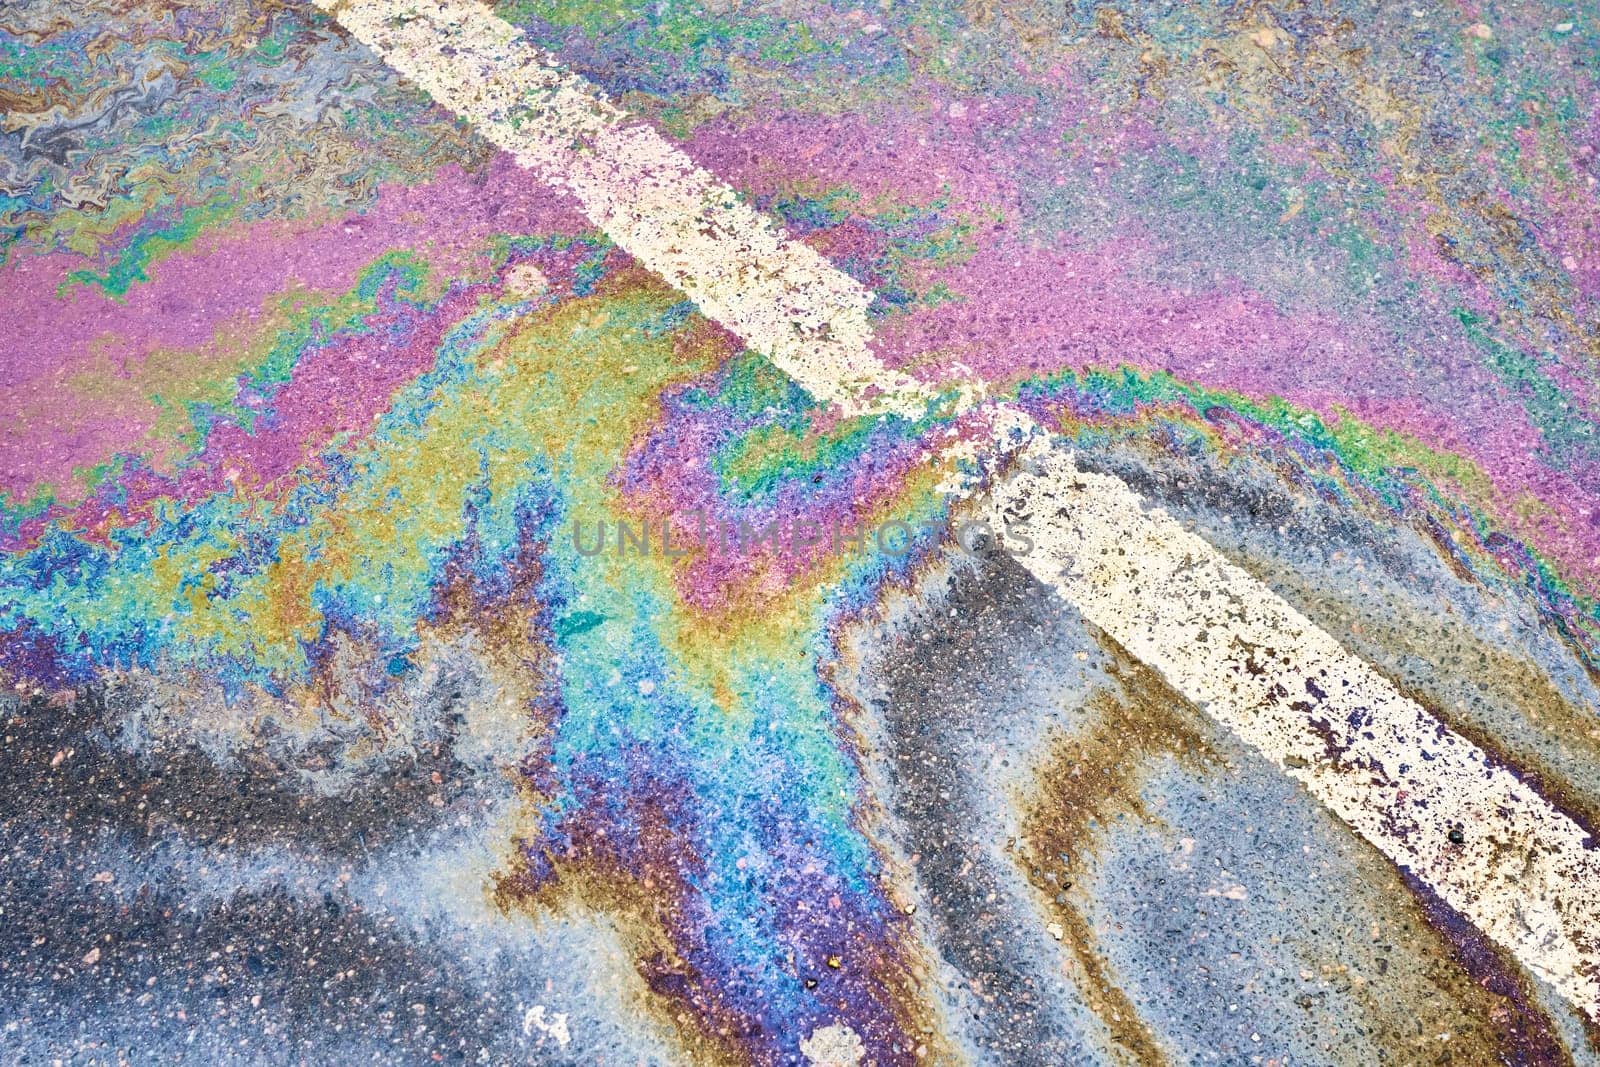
(318, 400)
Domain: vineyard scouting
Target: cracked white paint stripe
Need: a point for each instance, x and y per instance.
(778, 295)
(1523, 874)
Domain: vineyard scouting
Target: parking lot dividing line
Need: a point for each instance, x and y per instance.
(1431, 801)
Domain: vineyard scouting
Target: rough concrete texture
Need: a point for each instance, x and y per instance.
(357, 709)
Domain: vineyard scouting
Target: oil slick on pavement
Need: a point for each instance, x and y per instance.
(327, 736)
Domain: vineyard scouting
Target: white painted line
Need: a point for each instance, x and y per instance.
(779, 296)
(1523, 873)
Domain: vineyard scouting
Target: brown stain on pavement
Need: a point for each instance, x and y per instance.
(645, 909)
(1084, 782)
(1545, 730)
(1416, 973)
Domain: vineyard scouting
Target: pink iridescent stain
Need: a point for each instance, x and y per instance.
(220, 287)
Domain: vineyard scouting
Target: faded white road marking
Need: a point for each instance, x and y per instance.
(1523, 873)
(778, 295)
